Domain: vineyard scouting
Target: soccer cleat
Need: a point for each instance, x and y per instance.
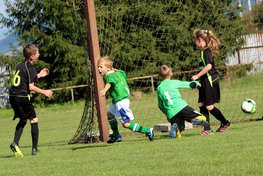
(16, 150)
(223, 127)
(114, 139)
(200, 120)
(206, 132)
(34, 151)
(150, 134)
(178, 134)
(173, 132)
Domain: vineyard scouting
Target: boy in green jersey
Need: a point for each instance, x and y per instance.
(116, 85)
(171, 103)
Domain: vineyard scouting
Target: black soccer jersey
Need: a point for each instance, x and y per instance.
(25, 74)
(207, 59)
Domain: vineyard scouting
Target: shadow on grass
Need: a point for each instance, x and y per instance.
(50, 144)
(87, 146)
(167, 136)
(6, 156)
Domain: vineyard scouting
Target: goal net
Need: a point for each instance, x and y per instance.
(140, 36)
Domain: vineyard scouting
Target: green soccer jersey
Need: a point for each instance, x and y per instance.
(170, 101)
(119, 88)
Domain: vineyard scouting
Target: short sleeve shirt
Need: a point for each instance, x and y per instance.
(24, 75)
(170, 101)
(119, 88)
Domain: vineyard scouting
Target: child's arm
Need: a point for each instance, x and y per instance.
(195, 85)
(202, 72)
(160, 105)
(44, 72)
(106, 88)
(34, 88)
(187, 84)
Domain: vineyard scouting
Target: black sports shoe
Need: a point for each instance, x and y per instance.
(114, 139)
(34, 151)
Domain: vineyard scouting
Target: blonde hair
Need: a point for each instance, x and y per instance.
(165, 71)
(30, 50)
(210, 39)
(107, 61)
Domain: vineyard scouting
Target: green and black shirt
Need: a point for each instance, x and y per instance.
(24, 75)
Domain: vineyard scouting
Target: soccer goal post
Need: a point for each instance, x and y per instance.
(94, 55)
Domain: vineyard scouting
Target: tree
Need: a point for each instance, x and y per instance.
(142, 36)
(254, 18)
(139, 35)
(58, 28)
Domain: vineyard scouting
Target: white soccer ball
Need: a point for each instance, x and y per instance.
(249, 106)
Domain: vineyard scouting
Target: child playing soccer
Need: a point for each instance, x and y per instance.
(209, 93)
(23, 83)
(170, 102)
(115, 83)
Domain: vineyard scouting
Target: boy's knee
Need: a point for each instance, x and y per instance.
(110, 115)
(34, 120)
(126, 125)
(210, 107)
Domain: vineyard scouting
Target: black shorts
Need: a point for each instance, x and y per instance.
(23, 108)
(209, 95)
(186, 114)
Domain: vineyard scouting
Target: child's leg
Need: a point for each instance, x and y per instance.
(126, 116)
(181, 125)
(219, 116)
(34, 135)
(205, 112)
(18, 133)
(19, 130)
(175, 130)
(113, 124)
(136, 127)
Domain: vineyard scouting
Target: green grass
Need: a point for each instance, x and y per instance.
(237, 152)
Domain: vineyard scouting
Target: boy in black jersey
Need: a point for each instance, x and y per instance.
(23, 83)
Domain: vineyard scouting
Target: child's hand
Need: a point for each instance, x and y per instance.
(198, 86)
(195, 77)
(195, 85)
(44, 72)
(48, 93)
(103, 92)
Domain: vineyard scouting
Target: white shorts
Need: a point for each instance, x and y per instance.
(122, 110)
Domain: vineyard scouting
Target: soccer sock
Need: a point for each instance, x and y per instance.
(114, 126)
(218, 115)
(181, 125)
(205, 112)
(19, 130)
(137, 128)
(34, 134)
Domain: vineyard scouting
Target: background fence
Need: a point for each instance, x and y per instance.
(251, 52)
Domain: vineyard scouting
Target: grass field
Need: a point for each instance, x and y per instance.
(237, 152)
